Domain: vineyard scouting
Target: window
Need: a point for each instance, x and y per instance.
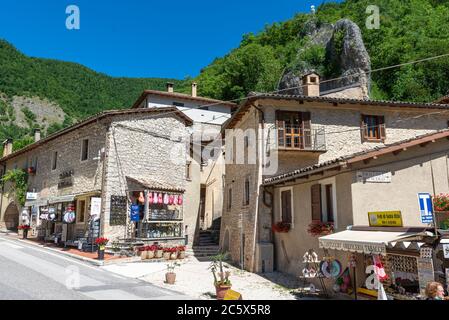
(294, 129)
(54, 162)
(324, 201)
(188, 170)
(81, 211)
(286, 205)
(373, 128)
(85, 150)
(247, 192)
(229, 199)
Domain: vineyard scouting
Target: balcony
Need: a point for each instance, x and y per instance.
(297, 138)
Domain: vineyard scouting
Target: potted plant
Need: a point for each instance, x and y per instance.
(281, 227)
(167, 253)
(101, 243)
(24, 229)
(151, 250)
(318, 228)
(159, 251)
(116, 248)
(170, 276)
(181, 252)
(173, 253)
(221, 278)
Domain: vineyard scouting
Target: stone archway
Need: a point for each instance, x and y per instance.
(12, 217)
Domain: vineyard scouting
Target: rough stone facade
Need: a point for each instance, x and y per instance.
(341, 125)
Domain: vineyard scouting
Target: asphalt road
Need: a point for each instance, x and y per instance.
(28, 272)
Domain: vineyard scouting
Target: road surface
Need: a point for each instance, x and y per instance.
(28, 272)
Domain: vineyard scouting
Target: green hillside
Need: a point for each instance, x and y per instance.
(79, 91)
(409, 30)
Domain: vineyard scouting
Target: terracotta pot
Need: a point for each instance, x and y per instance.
(221, 291)
(143, 255)
(174, 256)
(150, 254)
(167, 255)
(170, 278)
(181, 255)
(159, 254)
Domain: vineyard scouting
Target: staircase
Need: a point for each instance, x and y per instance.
(208, 245)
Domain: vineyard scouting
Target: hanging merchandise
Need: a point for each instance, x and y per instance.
(141, 198)
(331, 269)
(175, 199)
(166, 198)
(353, 260)
(344, 281)
(135, 213)
(379, 268)
(155, 198)
(180, 200)
(160, 199)
(69, 217)
(51, 214)
(150, 197)
(171, 199)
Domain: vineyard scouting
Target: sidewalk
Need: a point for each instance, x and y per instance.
(194, 279)
(90, 257)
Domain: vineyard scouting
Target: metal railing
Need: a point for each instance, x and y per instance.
(299, 138)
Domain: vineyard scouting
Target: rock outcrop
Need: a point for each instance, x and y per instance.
(345, 56)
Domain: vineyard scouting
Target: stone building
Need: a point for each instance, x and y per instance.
(206, 169)
(103, 165)
(272, 134)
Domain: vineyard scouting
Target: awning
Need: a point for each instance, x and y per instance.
(369, 242)
(61, 199)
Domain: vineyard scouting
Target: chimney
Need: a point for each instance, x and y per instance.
(311, 85)
(7, 147)
(37, 135)
(170, 87)
(194, 89)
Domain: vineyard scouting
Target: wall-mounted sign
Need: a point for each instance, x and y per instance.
(374, 176)
(425, 207)
(119, 210)
(425, 274)
(66, 179)
(385, 219)
(31, 195)
(95, 206)
(446, 251)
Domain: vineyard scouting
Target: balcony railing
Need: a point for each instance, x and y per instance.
(298, 138)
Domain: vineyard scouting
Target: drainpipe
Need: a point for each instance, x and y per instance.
(3, 192)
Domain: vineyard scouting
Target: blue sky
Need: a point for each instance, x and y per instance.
(140, 38)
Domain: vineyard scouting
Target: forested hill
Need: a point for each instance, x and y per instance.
(409, 30)
(69, 90)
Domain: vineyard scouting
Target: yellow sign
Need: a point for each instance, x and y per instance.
(385, 219)
(233, 295)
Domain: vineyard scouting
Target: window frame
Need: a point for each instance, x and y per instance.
(329, 181)
(281, 190)
(229, 199)
(303, 134)
(188, 171)
(78, 213)
(85, 152)
(246, 191)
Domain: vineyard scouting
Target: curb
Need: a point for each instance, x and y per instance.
(85, 259)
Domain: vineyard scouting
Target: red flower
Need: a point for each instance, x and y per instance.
(181, 248)
(318, 228)
(24, 227)
(101, 241)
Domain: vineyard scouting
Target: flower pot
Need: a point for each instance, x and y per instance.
(101, 253)
(182, 255)
(221, 291)
(159, 254)
(143, 255)
(150, 254)
(174, 256)
(170, 278)
(167, 255)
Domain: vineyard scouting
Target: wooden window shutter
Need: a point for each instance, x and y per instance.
(307, 129)
(280, 126)
(383, 134)
(364, 128)
(316, 202)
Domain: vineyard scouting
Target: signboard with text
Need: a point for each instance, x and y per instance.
(385, 219)
(425, 207)
(374, 177)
